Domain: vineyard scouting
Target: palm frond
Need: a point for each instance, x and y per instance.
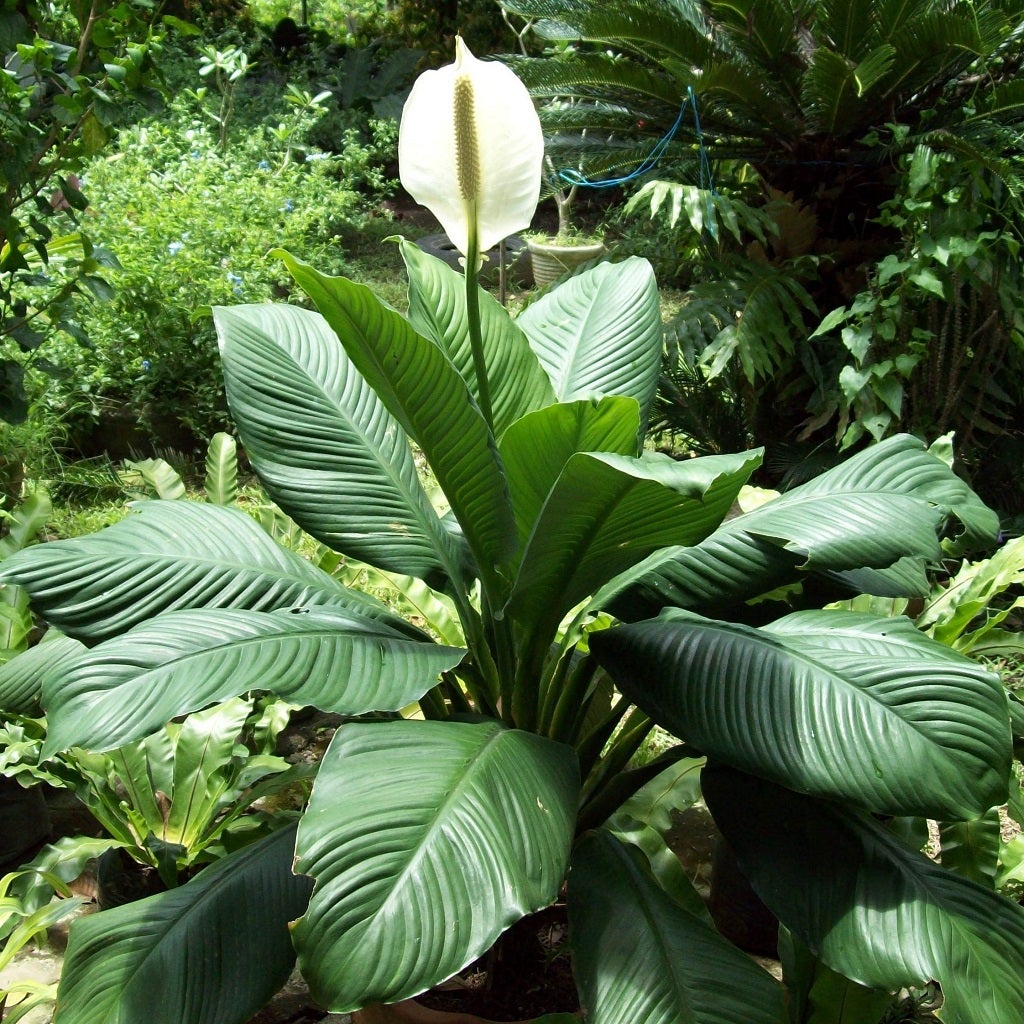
(547, 77)
(640, 23)
(705, 415)
(846, 25)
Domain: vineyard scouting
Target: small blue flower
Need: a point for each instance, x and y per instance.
(175, 247)
(288, 206)
(145, 366)
(236, 282)
(263, 165)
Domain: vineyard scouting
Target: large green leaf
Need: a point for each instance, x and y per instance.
(437, 309)
(182, 661)
(21, 678)
(536, 448)
(600, 333)
(815, 994)
(881, 914)
(210, 952)
(639, 956)
(156, 477)
(903, 465)
(869, 524)
(426, 840)
(971, 848)
(606, 512)
(171, 555)
(325, 447)
(425, 393)
(828, 703)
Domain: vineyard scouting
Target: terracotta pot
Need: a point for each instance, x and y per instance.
(410, 1012)
(552, 260)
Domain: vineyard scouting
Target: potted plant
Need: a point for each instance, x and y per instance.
(554, 256)
(573, 590)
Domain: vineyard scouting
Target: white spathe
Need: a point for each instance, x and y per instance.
(471, 149)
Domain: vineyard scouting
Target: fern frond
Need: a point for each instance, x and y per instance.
(704, 210)
(768, 320)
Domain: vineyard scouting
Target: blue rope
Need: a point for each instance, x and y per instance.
(649, 162)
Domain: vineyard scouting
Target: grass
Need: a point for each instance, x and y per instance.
(375, 261)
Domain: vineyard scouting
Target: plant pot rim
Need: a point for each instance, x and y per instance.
(548, 244)
(409, 1011)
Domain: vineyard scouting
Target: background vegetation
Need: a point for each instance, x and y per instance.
(834, 214)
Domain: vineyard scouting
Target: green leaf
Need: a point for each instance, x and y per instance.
(424, 392)
(16, 622)
(829, 703)
(869, 524)
(878, 913)
(674, 789)
(971, 848)
(204, 749)
(437, 310)
(172, 555)
(414, 599)
(815, 994)
(873, 68)
(21, 678)
(25, 522)
(829, 92)
(639, 956)
(212, 951)
(158, 475)
(222, 470)
(323, 444)
(599, 333)
(426, 840)
(536, 448)
(606, 512)
(183, 661)
(664, 864)
(968, 596)
(928, 281)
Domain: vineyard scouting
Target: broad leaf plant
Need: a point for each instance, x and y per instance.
(592, 589)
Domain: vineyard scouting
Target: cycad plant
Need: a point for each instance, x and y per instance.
(823, 101)
(815, 96)
(583, 589)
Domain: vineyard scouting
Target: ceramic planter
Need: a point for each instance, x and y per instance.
(551, 260)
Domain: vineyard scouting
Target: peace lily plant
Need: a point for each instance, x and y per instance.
(570, 589)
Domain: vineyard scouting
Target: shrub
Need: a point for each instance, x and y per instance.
(67, 69)
(191, 225)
